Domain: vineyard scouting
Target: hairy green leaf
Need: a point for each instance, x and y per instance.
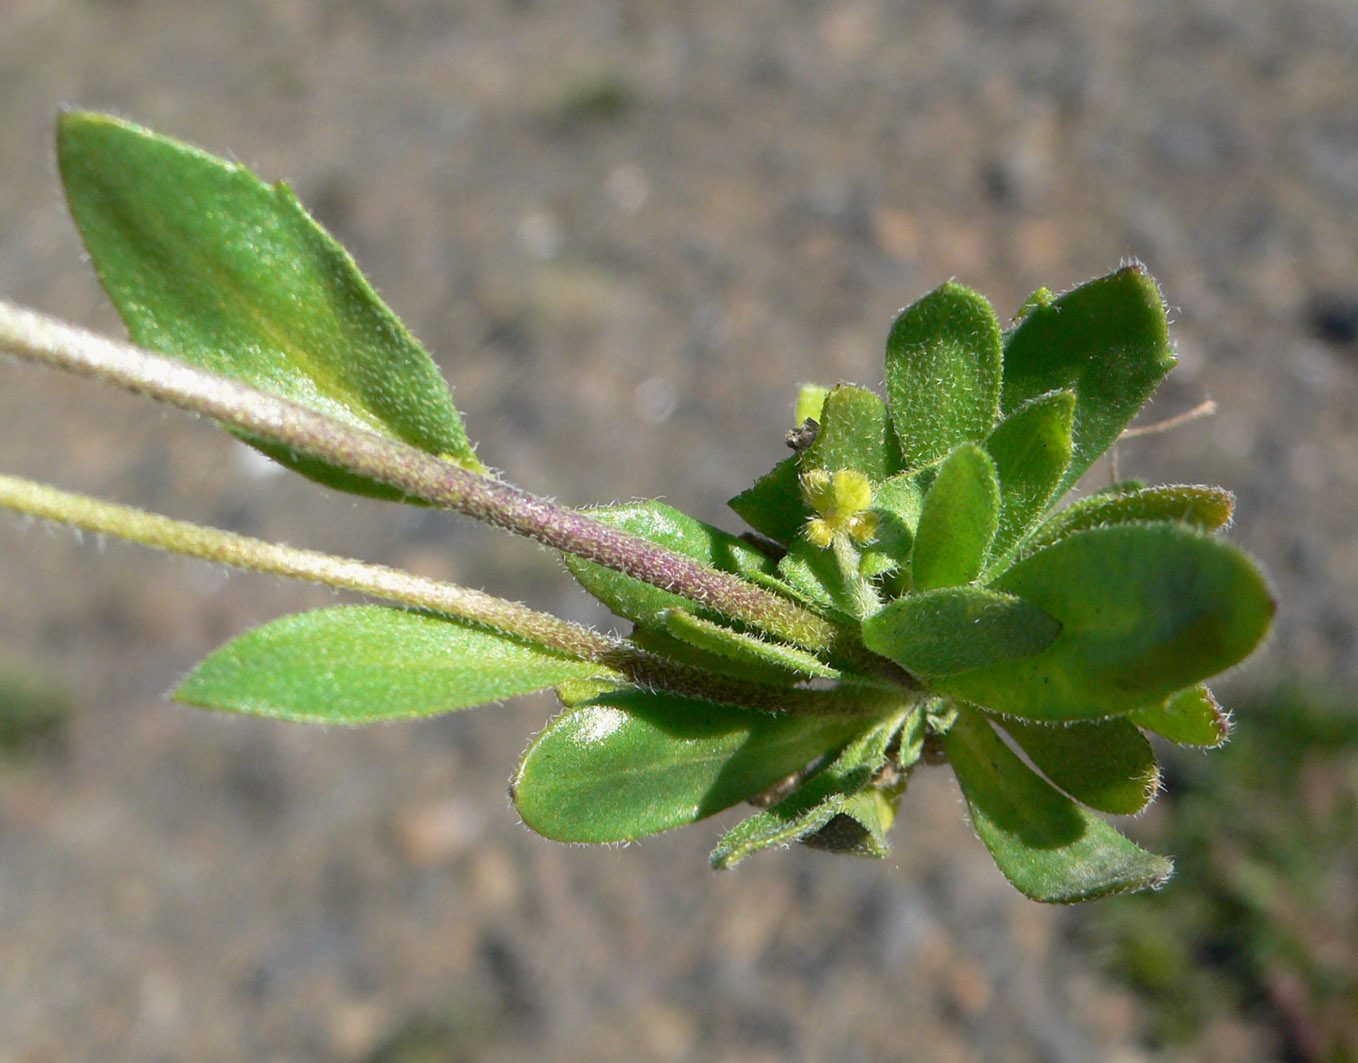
(1105, 764)
(1189, 717)
(774, 505)
(1206, 508)
(860, 825)
(955, 629)
(943, 373)
(1049, 847)
(208, 264)
(678, 531)
(746, 649)
(855, 433)
(1031, 449)
(1145, 609)
(896, 504)
(633, 763)
(958, 520)
(1108, 341)
(364, 663)
(813, 804)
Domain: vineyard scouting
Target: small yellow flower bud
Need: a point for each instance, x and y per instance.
(840, 500)
(850, 491)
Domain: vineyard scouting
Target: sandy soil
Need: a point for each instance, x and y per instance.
(627, 231)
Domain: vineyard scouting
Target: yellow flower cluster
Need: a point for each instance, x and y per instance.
(841, 500)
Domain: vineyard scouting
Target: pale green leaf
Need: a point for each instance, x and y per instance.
(943, 359)
(361, 664)
(957, 522)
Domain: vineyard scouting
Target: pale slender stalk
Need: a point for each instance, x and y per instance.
(419, 475)
(620, 660)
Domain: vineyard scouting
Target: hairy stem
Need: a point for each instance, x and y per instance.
(621, 659)
(37, 337)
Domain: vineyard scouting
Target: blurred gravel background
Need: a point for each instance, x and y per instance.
(626, 231)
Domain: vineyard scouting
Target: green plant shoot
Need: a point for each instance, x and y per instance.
(911, 582)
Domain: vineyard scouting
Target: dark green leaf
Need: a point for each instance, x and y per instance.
(1045, 844)
(943, 373)
(1105, 764)
(955, 629)
(210, 265)
(1107, 341)
(745, 649)
(1190, 717)
(1031, 449)
(1206, 508)
(774, 505)
(957, 522)
(813, 804)
(669, 527)
(360, 664)
(1145, 609)
(855, 433)
(633, 764)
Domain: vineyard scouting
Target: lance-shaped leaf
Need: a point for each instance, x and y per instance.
(1031, 449)
(943, 373)
(955, 629)
(957, 522)
(746, 649)
(855, 433)
(678, 531)
(632, 764)
(815, 803)
(1105, 764)
(1145, 609)
(1206, 508)
(1049, 847)
(1107, 341)
(208, 264)
(1190, 717)
(361, 664)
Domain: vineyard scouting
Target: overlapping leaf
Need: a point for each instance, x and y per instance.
(1145, 610)
(1108, 342)
(1049, 847)
(957, 523)
(633, 763)
(677, 531)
